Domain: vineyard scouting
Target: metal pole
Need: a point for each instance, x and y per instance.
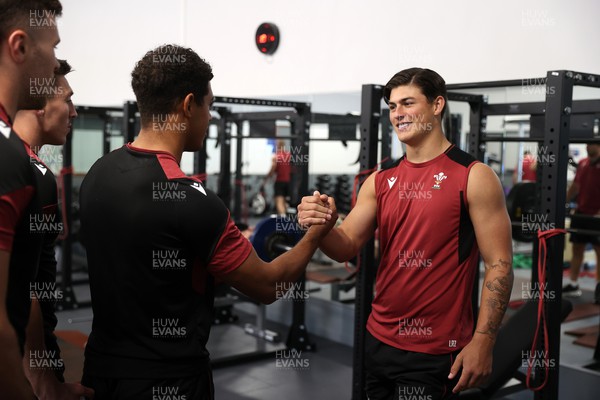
(553, 173)
(369, 128)
(298, 337)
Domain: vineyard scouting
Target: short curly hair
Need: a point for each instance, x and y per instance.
(165, 76)
(63, 68)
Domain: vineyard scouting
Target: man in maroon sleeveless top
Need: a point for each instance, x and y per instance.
(282, 169)
(528, 169)
(436, 209)
(586, 186)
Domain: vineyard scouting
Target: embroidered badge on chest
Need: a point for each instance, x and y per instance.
(438, 180)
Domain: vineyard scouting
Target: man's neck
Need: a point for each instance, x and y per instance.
(28, 129)
(9, 104)
(428, 148)
(10, 79)
(167, 141)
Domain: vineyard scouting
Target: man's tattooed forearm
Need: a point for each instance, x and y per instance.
(497, 300)
(497, 307)
(501, 265)
(491, 329)
(495, 304)
(501, 285)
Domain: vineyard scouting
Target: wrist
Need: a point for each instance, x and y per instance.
(44, 384)
(484, 338)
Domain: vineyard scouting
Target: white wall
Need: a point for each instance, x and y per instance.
(328, 49)
(327, 45)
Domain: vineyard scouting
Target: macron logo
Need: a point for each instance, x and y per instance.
(41, 168)
(391, 181)
(4, 129)
(198, 187)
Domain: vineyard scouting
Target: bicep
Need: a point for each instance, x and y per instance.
(361, 222)
(235, 262)
(488, 213)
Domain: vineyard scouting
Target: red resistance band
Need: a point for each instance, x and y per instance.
(541, 316)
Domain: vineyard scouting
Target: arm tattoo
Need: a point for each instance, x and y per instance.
(499, 285)
(500, 288)
(501, 265)
(497, 305)
(491, 329)
(497, 308)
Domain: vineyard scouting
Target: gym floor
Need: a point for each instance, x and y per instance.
(327, 373)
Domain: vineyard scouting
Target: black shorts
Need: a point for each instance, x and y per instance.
(199, 387)
(282, 189)
(394, 374)
(581, 221)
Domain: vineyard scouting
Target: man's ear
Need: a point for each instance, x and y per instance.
(438, 104)
(188, 101)
(39, 115)
(17, 45)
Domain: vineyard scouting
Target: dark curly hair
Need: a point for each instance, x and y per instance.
(63, 68)
(164, 76)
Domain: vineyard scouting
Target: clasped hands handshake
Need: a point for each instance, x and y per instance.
(317, 210)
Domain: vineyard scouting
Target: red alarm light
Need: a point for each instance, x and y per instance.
(267, 38)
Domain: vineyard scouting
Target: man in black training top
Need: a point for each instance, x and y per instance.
(28, 36)
(36, 128)
(157, 239)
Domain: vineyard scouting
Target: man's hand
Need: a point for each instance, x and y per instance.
(316, 210)
(330, 218)
(476, 363)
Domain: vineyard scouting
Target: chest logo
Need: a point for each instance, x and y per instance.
(4, 129)
(438, 180)
(391, 181)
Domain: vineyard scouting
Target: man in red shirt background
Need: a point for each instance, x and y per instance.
(528, 169)
(586, 186)
(282, 169)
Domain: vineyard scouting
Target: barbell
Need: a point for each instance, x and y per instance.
(274, 236)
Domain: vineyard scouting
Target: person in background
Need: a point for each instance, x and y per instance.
(281, 168)
(528, 169)
(27, 60)
(49, 125)
(586, 187)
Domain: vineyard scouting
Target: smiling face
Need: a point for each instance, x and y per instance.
(412, 115)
